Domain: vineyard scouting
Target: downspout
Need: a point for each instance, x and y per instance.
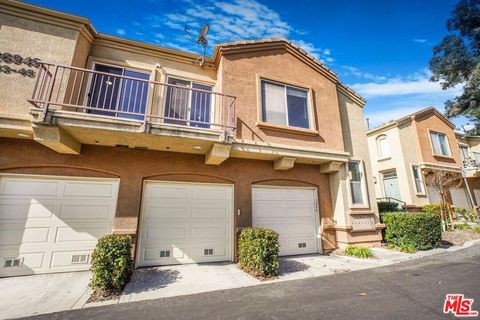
(469, 191)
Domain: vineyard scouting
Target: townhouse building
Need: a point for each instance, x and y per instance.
(405, 150)
(101, 134)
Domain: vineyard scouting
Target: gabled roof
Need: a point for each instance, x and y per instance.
(412, 117)
(282, 43)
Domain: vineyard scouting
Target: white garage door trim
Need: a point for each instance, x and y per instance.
(174, 253)
(45, 222)
(316, 213)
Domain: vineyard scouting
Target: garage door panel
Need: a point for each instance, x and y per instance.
(299, 195)
(301, 246)
(165, 210)
(199, 232)
(168, 192)
(300, 210)
(270, 209)
(22, 188)
(26, 208)
(184, 224)
(301, 228)
(19, 234)
(80, 234)
(170, 231)
(210, 193)
(268, 195)
(52, 215)
(88, 189)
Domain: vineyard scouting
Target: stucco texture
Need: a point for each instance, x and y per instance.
(240, 77)
(135, 166)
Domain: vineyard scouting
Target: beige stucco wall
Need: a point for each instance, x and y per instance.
(241, 74)
(35, 39)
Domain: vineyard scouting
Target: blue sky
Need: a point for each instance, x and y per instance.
(379, 48)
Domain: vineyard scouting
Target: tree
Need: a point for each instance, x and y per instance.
(441, 181)
(456, 61)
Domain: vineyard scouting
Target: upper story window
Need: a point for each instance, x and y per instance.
(383, 147)
(285, 105)
(439, 144)
(464, 152)
(356, 182)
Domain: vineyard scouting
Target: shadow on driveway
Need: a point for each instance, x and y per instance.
(150, 279)
(291, 266)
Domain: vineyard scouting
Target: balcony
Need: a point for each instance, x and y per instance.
(76, 99)
(471, 168)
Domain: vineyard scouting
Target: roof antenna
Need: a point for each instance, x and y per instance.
(201, 40)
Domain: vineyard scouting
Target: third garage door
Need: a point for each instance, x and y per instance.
(185, 223)
(292, 212)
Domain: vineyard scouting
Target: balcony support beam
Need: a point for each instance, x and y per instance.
(218, 153)
(56, 139)
(284, 163)
(329, 167)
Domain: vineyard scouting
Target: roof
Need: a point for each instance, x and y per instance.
(273, 43)
(84, 25)
(410, 117)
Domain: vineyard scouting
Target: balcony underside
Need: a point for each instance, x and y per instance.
(65, 132)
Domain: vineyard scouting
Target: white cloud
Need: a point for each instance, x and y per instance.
(349, 70)
(229, 21)
(419, 40)
(416, 84)
(121, 32)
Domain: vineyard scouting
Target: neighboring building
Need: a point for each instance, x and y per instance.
(112, 135)
(468, 195)
(403, 151)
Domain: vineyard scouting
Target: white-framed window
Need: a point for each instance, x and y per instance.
(383, 147)
(464, 152)
(418, 178)
(356, 182)
(439, 144)
(285, 105)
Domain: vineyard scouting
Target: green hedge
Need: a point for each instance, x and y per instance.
(418, 231)
(258, 252)
(466, 214)
(434, 208)
(112, 263)
(387, 206)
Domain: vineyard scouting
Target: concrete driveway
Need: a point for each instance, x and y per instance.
(32, 295)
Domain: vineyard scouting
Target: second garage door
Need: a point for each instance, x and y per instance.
(185, 223)
(292, 212)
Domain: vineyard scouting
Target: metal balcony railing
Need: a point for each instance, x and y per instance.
(98, 93)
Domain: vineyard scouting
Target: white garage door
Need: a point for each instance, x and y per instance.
(51, 224)
(460, 198)
(185, 223)
(292, 212)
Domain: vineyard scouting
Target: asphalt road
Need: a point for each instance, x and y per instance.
(411, 290)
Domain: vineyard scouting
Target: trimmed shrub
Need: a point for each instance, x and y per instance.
(258, 252)
(412, 231)
(359, 252)
(112, 263)
(466, 214)
(434, 208)
(386, 206)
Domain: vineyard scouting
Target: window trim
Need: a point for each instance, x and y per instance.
(312, 130)
(365, 199)
(460, 146)
(449, 149)
(422, 180)
(380, 156)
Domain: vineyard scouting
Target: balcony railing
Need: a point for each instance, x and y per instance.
(98, 93)
(470, 164)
